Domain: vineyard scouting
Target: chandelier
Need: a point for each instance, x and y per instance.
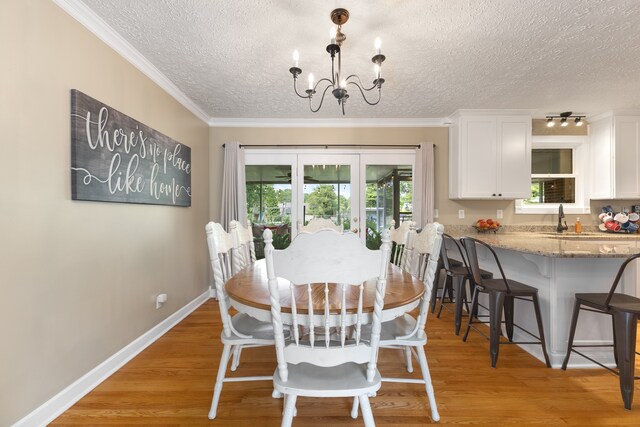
(338, 83)
(564, 117)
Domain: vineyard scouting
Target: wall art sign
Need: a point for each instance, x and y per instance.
(115, 158)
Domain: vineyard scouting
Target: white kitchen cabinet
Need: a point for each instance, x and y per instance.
(490, 155)
(614, 142)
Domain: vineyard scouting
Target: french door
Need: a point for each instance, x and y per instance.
(363, 191)
(328, 187)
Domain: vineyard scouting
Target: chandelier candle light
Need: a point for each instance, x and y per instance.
(337, 83)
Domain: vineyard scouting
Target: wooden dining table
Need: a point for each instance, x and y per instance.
(248, 291)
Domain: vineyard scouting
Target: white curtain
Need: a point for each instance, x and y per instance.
(424, 193)
(234, 192)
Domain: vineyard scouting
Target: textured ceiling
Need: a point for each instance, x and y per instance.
(232, 57)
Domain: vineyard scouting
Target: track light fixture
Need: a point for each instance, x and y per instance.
(564, 119)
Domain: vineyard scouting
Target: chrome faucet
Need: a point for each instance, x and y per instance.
(560, 228)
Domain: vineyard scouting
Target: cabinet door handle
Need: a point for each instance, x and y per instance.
(500, 195)
(494, 194)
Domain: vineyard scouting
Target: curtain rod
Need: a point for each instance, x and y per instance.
(329, 146)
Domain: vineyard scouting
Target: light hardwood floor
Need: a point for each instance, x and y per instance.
(171, 383)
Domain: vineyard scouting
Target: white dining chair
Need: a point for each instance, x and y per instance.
(244, 247)
(408, 258)
(413, 262)
(399, 240)
(418, 250)
(317, 224)
(321, 358)
(240, 330)
(406, 332)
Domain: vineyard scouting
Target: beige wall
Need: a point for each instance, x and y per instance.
(539, 127)
(474, 209)
(79, 279)
(274, 136)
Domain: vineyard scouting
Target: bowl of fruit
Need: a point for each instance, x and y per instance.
(484, 225)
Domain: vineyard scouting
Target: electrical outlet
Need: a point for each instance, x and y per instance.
(461, 214)
(499, 214)
(436, 213)
(160, 299)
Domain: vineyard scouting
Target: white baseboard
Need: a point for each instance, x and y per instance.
(62, 401)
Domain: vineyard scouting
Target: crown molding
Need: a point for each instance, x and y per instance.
(613, 113)
(491, 112)
(89, 19)
(328, 123)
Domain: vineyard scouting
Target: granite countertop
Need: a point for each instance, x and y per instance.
(551, 244)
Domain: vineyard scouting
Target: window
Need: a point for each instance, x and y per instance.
(269, 203)
(327, 193)
(552, 177)
(557, 176)
(388, 197)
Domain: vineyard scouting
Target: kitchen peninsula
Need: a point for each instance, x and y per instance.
(560, 265)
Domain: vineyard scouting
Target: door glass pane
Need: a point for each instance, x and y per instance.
(388, 196)
(269, 203)
(552, 161)
(327, 193)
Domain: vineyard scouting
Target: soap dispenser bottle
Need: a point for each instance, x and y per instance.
(578, 227)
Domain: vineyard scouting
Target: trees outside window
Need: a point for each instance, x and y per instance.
(268, 204)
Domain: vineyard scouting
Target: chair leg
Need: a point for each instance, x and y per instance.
(365, 407)
(474, 307)
(222, 369)
(543, 341)
(615, 353)
(626, 324)
(466, 300)
(572, 333)
(434, 289)
(426, 376)
(354, 408)
(237, 349)
(407, 356)
(508, 316)
(496, 304)
(460, 291)
(289, 410)
(447, 288)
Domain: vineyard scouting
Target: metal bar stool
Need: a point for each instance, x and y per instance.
(502, 293)
(442, 265)
(456, 281)
(624, 310)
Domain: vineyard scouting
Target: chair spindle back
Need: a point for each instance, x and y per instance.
(220, 245)
(244, 248)
(324, 271)
(399, 237)
(424, 251)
